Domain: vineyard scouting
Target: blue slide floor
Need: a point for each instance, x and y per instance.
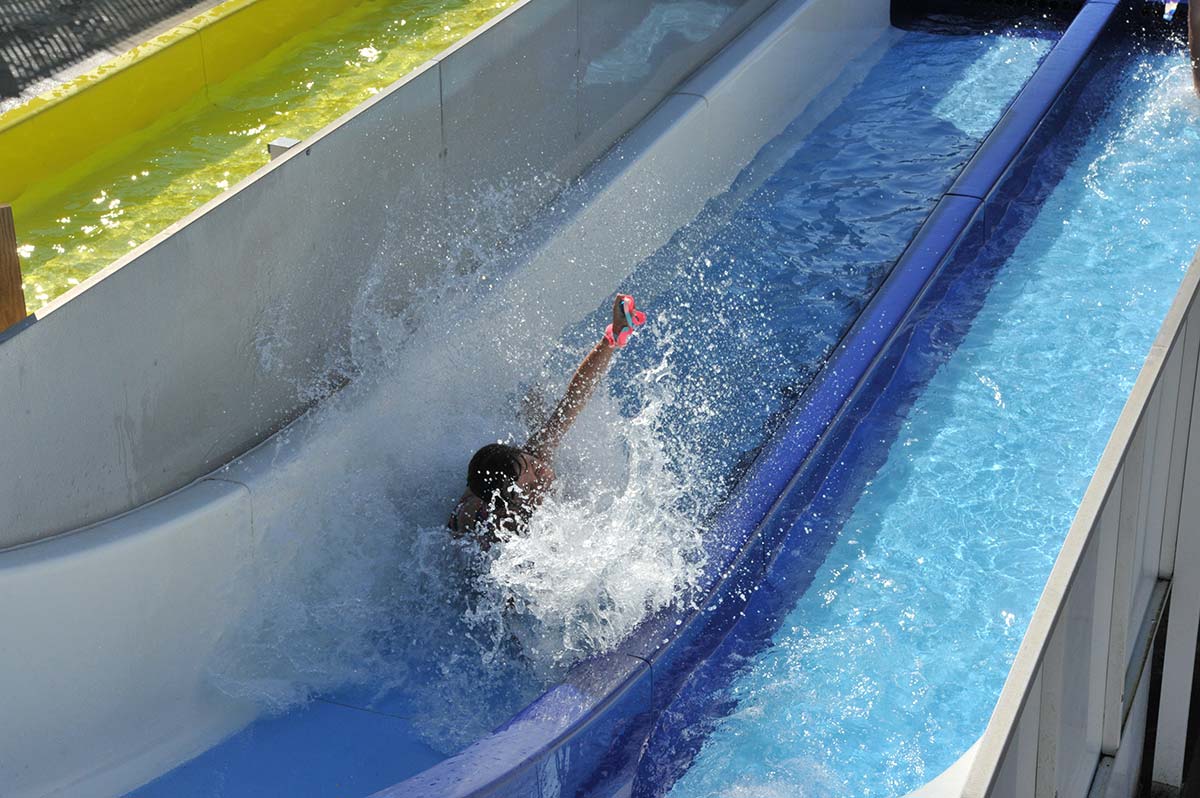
(326, 748)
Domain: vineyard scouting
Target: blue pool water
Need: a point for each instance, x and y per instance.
(379, 646)
(873, 656)
(751, 298)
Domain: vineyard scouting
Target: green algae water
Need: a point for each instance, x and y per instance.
(82, 220)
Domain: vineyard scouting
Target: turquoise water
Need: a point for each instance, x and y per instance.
(868, 670)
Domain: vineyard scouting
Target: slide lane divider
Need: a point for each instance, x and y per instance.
(586, 735)
(986, 168)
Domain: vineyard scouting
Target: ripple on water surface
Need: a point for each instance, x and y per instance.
(888, 663)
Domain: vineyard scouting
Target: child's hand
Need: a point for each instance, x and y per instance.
(619, 321)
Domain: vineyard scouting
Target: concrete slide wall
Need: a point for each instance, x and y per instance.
(108, 630)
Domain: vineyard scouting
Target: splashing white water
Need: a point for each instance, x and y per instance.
(359, 584)
(618, 541)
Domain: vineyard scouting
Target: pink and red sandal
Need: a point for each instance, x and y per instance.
(633, 318)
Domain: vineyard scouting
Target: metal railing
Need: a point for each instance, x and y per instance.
(1070, 697)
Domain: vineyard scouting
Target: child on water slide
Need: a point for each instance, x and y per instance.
(505, 484)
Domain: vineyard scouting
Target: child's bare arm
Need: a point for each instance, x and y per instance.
(543, 442)
(589, 374)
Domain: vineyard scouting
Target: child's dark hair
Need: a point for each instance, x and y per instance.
(493, 470)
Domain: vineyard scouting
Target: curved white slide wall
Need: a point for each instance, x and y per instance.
(109, 631)
(106, 637)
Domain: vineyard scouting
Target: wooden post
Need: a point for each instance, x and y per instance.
(12, 297)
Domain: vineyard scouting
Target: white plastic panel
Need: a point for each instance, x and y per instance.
(659, 177)
(753, 89)
(1187, 349)
(625, 209)
(633, 53)
(1179, 662)
(1143, 563)
(1121, 511)
(1082, 697)
(1050, 714)
(1127, 763)
(1160, 478)
(1022, 777)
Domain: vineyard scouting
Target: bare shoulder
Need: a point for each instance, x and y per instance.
(465, 513)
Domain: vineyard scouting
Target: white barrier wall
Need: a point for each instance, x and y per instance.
(693, 147)
(211, 336)
(108, 632)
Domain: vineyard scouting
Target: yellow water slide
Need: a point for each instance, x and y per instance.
(104, 162)
(56, 130)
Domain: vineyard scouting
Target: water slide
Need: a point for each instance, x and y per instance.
(304, 596)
